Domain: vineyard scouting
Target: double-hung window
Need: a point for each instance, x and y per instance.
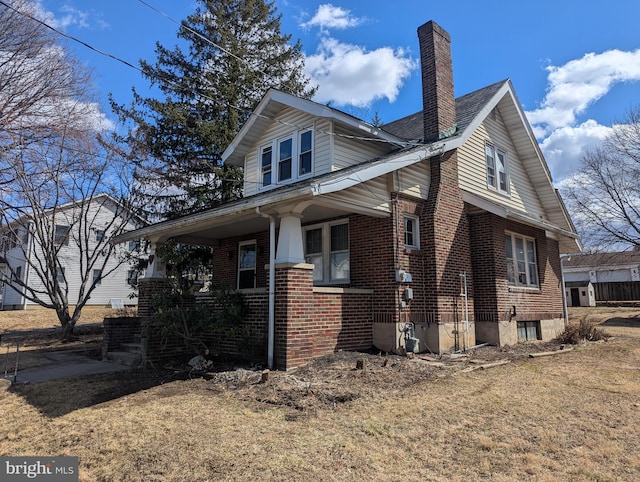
(522, 266)
(497, 177)
(61, 235)
(327, 248)
(411, 232)
(287, 159)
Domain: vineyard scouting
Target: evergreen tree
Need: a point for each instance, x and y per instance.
(234, 53)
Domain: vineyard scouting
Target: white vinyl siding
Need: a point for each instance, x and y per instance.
(472, 169)
(113, 285)
(280, 130)
(413, 180)
(349, 151)
(373, 194)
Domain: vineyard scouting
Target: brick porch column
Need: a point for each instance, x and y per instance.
(293, 314)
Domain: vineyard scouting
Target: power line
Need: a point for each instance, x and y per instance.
(197, 92)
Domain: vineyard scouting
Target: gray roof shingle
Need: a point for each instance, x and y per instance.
(467, 108)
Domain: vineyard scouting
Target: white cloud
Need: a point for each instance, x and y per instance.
(328, 16)
(574, 86)
(350, 75)
(565, 146)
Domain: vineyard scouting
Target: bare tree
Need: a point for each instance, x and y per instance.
(39, 80)
(604, 196)
(66, 200)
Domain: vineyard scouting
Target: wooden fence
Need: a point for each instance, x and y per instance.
(617, 291)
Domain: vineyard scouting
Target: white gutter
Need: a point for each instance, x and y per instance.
(272, 288)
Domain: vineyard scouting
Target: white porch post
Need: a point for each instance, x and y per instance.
(290, 248)
(156, 267)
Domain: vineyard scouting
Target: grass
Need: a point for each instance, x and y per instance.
(566, 417)
(38, 317)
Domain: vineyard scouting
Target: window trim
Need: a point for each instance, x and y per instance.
(272, 169)
(327, 252)
(97, 281)
(58, 239)
(527, 263)
(495, 151)
(415, 232)
(248, 242)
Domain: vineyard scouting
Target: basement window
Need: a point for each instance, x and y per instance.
(529, 331)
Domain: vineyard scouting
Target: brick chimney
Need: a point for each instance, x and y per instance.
(439, 106)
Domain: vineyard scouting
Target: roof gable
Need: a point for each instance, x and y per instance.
(267, 111)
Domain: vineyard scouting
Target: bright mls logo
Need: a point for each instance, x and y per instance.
(53, 469)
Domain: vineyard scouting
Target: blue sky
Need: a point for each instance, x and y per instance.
(575, 65)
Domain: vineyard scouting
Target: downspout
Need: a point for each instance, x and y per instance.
(272, 288)
(565, 310)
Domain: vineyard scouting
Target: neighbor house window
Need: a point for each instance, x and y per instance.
(60, 276)
(327, 248)
(522, 266)
(529, 330)
(290, 158)
(247, 265)
(497, 169)
(97, 277)
(134, 245)
(132, 277)
(99, 235)
(411, 233)
(17, 274)
(61, 235)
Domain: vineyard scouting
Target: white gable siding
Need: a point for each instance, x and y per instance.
(349, 151)
(372, 194)
(287, 122)
(413, 180)
(473, 172)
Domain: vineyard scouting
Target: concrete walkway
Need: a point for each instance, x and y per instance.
(63, 365)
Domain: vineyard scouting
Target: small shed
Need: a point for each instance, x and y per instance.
(580, 293)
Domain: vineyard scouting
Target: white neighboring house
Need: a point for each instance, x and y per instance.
(103, 219)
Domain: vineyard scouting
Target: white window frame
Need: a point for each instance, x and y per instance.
(497, 172)
(61, 235)
(522, 271)
(272, 150)
(324, 276)
(411, 227)
(255, 262)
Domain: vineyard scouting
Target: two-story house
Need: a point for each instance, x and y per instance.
(80, 234)
(442, 227)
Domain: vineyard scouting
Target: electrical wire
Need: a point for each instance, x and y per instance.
(202, 95)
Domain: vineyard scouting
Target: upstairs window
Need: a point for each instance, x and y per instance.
(61, 235)
(99, 235)
(497, 169)
(327, 248)
(290, 158)
(522, 266)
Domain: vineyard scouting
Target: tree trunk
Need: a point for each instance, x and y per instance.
(67, 330)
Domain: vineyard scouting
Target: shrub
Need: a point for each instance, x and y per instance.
(582, 331)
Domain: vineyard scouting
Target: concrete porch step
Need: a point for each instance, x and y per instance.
(125, 358)
(131, 347)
